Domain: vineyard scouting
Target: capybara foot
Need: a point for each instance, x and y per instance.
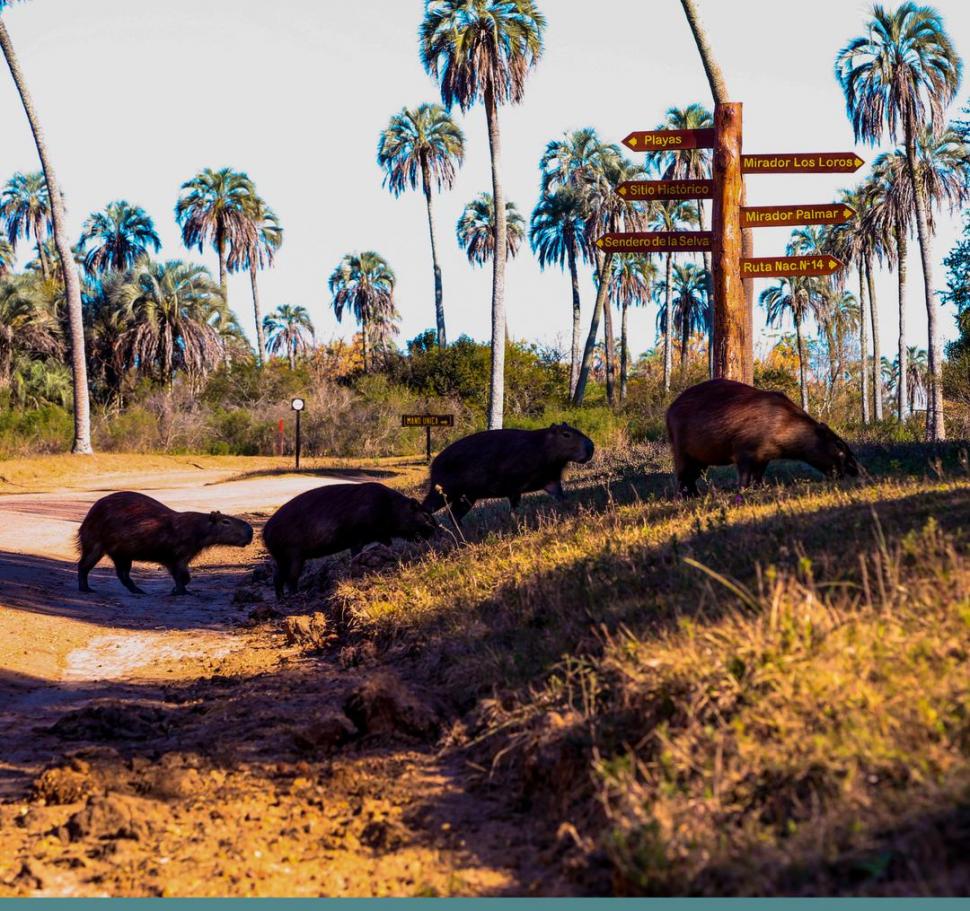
(86, 589)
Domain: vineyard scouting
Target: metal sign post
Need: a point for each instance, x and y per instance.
(427, 421)
(298, 405)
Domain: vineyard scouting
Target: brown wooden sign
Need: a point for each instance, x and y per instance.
(668, 140)
(783, 216)
(655, 242)
(666, 189)
(788, 266)
(427, 420)
(802, 163)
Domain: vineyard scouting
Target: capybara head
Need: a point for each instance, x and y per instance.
(228, 530)
(414, 521)
(568, 444)
(832, 454)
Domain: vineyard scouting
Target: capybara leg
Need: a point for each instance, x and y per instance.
(434, 501)
(278, 580)
(293, 575)
(554, 489)
(123, 569)
(748, 472)
(514, 501)
(687, 475)
(180, 573)
(89, 559)
(758, 473)
(460, 508)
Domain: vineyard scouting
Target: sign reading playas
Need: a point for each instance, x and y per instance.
(665, 140)
(802, 163)
(427, 420)
(655, 242)
(788, 266)
(783, 216)
(666, 189)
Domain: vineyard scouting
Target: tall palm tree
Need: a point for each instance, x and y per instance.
(842, 314)
(173, 310)
(214, 207)
(425, 144)
(72, 284)
(557, 233)
(8, 257)
(28, 324)
(902, 74)
(290, 330)
(25, 208)
(255, 250)
(363, 283)
(475, 229)
(692, 305)
(118, 236)
(631, 284)
(483, 50)
(576, 161)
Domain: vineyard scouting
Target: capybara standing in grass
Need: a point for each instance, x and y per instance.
(722, 422)
(330, 519)
(504, 463)
(129, 526)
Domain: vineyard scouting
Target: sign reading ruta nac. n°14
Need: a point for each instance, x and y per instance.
(802, 162)
(655, 242)
(789, 266)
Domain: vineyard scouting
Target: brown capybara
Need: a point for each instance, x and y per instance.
(722, 422)
(504, 463)
(330, 519)
(129, 526)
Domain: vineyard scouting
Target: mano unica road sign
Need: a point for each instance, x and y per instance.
(666, 189)
(665, 140)
(802, 163)
(655, 242)
(427, 420)
(788, 266)
(783, 216)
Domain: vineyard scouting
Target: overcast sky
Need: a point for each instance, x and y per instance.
(137, 96)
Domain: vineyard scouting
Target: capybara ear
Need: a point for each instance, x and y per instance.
(215, 516)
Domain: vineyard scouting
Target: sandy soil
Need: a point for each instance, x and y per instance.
(196, 746)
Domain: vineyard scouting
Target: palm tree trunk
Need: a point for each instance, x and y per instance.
(684, 343)
(936, 431)
(864, 341)
(624, 352)
(72, 285)
(291, 352)
(577, 317)
(876, 357)
(496, 391)
(223, 271)
(602, 290)
(901, 253)
(714, 75)
(668, 326)
(45, 267)
(439, 305)
(365, 340)
(802, 378)
(710, 292)
(610, 348)
(260, 336)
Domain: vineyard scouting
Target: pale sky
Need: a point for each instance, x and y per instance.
(136, 96)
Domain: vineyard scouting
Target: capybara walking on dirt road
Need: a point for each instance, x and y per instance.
(129, 526)
(504, 463)
(330, 519)
(722, 421)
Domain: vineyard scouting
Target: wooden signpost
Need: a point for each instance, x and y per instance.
(666, 189)
(785, 216)
(788, 266)
(655, 242)
(427, 421)
(668, 140)
(802, 163)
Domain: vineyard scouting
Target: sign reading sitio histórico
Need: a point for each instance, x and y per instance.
(655, 242)
(666, 189)
(427, 420)
(665, 140)
(783, 216)
(802, 163)
(788, 266)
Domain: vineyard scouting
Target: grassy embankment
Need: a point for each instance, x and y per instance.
(737, 695)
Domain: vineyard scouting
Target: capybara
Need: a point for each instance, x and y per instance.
(330, 519)
(129, 526)
(723, 421)
(504, 463)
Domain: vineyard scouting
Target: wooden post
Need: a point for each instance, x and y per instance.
(428, 429)
(732, 322)
(298, 441)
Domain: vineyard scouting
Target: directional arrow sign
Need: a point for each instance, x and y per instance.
(666, 189)
(788, 266)
(655, 242)
(802, 162)
(665, 140)
(782, 216)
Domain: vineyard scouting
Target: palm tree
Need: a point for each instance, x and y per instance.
(631, 284)
(917, 368)
(215, 207)
(254, 250)
(173, 310)
(476, 229)
(483, 50)
(28, 324)
(72, 284)
(842, 315)
(425, 144)
(8, 257)
(364, 284)
(25, 208)
(557, 233)
(692, 305)
(118, 236)
(902, 74)
(288, 330)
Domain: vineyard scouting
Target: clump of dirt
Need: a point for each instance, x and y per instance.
(312, 631)
(384, 704)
